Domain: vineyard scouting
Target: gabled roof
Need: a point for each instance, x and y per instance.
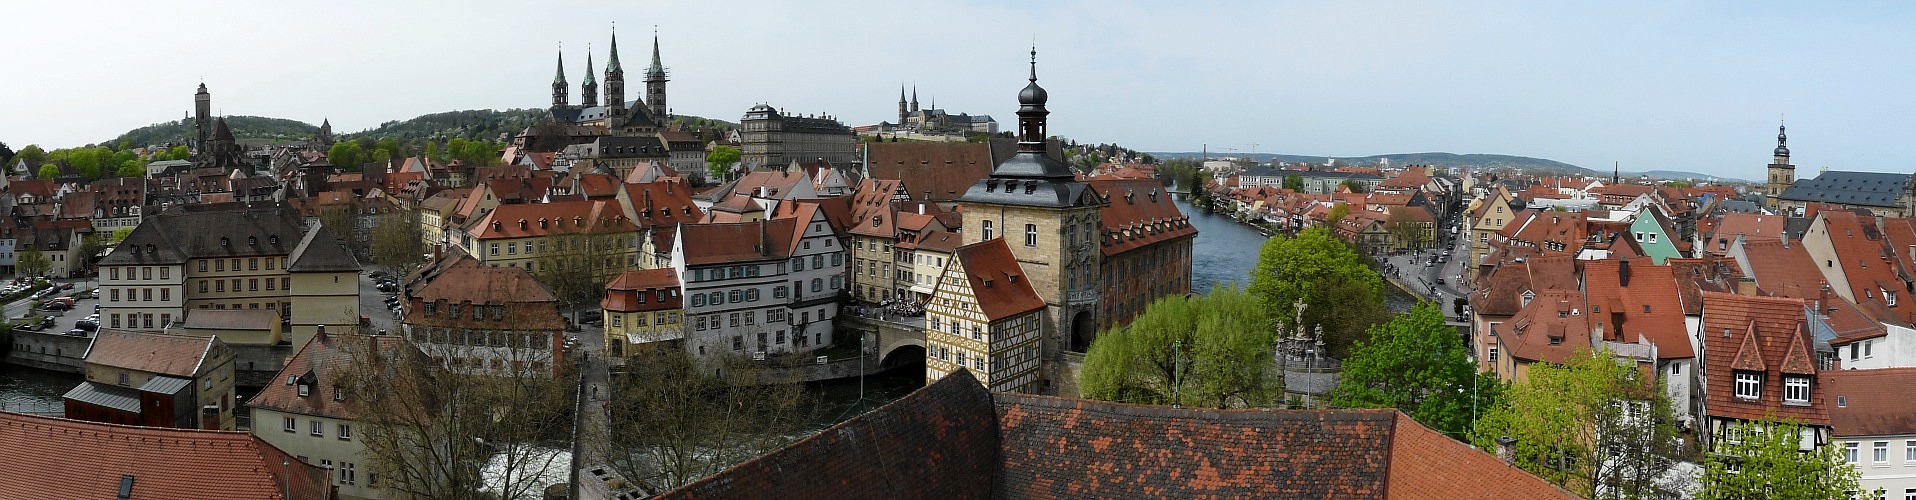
(954, 439)
(1552, 329)
(999, 284)
(205, 231)
(663, 203)
(323, 363)
(939, 171)
(1632, 300)
(320, 251)
(1728, 323)
(1870, 402)
(720, 243)
(623, 292)
(176, 355)
(61, 458)
(1137, 213)
(527, 304)
(525, 220)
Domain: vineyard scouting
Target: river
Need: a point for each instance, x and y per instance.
(1226, 251)
(29, 390)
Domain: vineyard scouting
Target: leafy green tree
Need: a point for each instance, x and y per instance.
(1209, 351)
(1764, 462)
(1355, 187)
(1333, 280)
(1592, 424)
(381, 156)
(6, 153)
(33, 262)
(1338, 213)
(432, 152)
(720, 161)
(1294, 182)
(1417, 364)
(346, 154)
(389, 144)
(87, 161)
(32, 154)
(49, 171)
(130, 168)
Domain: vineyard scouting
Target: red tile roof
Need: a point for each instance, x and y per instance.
(1779, 326)
(1865, 258)
(622, 294)
(1647, 306)
(1870, 402)
(998, 283)
(61, 458)
(529, 305)
(942, 171)
(176, 355)
(525, 220)
(737, 242)
(660, 204)
(1138, 213)
(323, 363)
(1752, 227)
(1553, 328)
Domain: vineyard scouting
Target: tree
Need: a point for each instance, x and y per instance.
(719, 162)
(32, 154)
(451, 428)
(577, 265)
(33, 262)
(1407, 232)
(6, 154)
(381, 156)
(1294, 182)
(1417, 364)
(676, 420)
(1590, 425)
(1333, 279)
(1337, 214)
(1209, 351)
(49, 171)
(130, 168)
(346, 154)
(1355, 187)
(90, 247)
(342, 219)
(398, 241)
(1763, 461)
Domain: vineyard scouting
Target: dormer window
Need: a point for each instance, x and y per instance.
(224, 241)
(1749, 385)
(252, 241)
(305, 390)
(339, 393)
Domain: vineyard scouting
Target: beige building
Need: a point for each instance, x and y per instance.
(984, 316)
(1488, 215)
(772, 138)
(226, 257)
(306, 411)
(642, 307)
(532, 236)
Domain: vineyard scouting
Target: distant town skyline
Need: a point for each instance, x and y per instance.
(1654, 86)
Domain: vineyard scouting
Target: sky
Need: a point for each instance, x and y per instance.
(1697, 86)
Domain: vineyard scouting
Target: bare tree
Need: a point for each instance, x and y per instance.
(398, 242)
(577, 265)
(466, 412)
(678, 419)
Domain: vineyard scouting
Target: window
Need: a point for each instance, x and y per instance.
(166, 294)
(202, 286)
(1867, 344)
(1879, 452)
(218, 265)
(698, 300)
(1749, 385)
(1493, 354)
(202, 266)
(987, 228)
(1031, 235)
(818, 285)
(114, 295)
(291, 425)
(1909, 451)
(269, 283)
(345, 432)
(146, 294)
(493, 249)
(319, 428)
(252, 264)
(778, 292)
(1676, 369)
(616, 320)
(346, 473)
(252, 285)
(304, 390)
(286, 283)
(1796, 389)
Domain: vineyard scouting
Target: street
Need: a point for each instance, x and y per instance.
(1411, 269)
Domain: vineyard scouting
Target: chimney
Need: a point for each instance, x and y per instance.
(1623, 273)
(1746, 286)
(921, 211)
(1507, 450)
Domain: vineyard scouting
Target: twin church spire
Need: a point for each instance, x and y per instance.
(614, 81)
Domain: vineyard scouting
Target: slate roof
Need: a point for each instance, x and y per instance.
(321, 251)
(196, 231)
(1850, 188)
(952, 439)
(176, 355)
(1870, 402)
(61, 458)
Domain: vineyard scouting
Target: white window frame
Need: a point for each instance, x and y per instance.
(1879, 452)
(1749, 385)
(1796, 389)
(1850, 453)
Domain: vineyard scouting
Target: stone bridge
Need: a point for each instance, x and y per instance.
(898, 341)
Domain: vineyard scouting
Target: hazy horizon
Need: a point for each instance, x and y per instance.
(1688, 86)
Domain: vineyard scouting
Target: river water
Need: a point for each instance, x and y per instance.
(1226, 251)
(28, 390)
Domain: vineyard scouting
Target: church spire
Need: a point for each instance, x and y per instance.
(658, 68)
(558, 82)
(655, 79)
(1782, 142)
(914, 98)
(1031, 111)
(614, 76)
(589, 91)
(1616, 173)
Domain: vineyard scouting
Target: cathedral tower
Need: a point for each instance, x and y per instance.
(1782, 173)
(1051, 223)
(589, 91)
(901, 104)
(558, 84)
(614, 79)
(655, 85)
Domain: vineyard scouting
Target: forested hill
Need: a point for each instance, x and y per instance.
(481, 124)
(248, 129)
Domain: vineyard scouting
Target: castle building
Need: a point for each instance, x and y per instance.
(770, 139)
(932, 120)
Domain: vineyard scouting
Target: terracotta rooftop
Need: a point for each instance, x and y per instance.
(529, 305)
(1769, 335)
(61, 458)
(321, 364)
(953, 439)
(176, 355)
(525, 220)
(737, 242)
(1752, 227)
(1553, 328)
(1870, 402)
(1138, 213)
(1631, 300)
(625, 292)
(932, 170)
(998, 283)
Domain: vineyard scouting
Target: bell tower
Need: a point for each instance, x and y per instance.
(614, 78)
(1782, 173)
(655, 79)
(202, 116)
(588, 91)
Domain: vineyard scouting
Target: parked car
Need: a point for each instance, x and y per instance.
(86, 325)
(47, 322)
(66, 286)
(76, 332)
(55, 305)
